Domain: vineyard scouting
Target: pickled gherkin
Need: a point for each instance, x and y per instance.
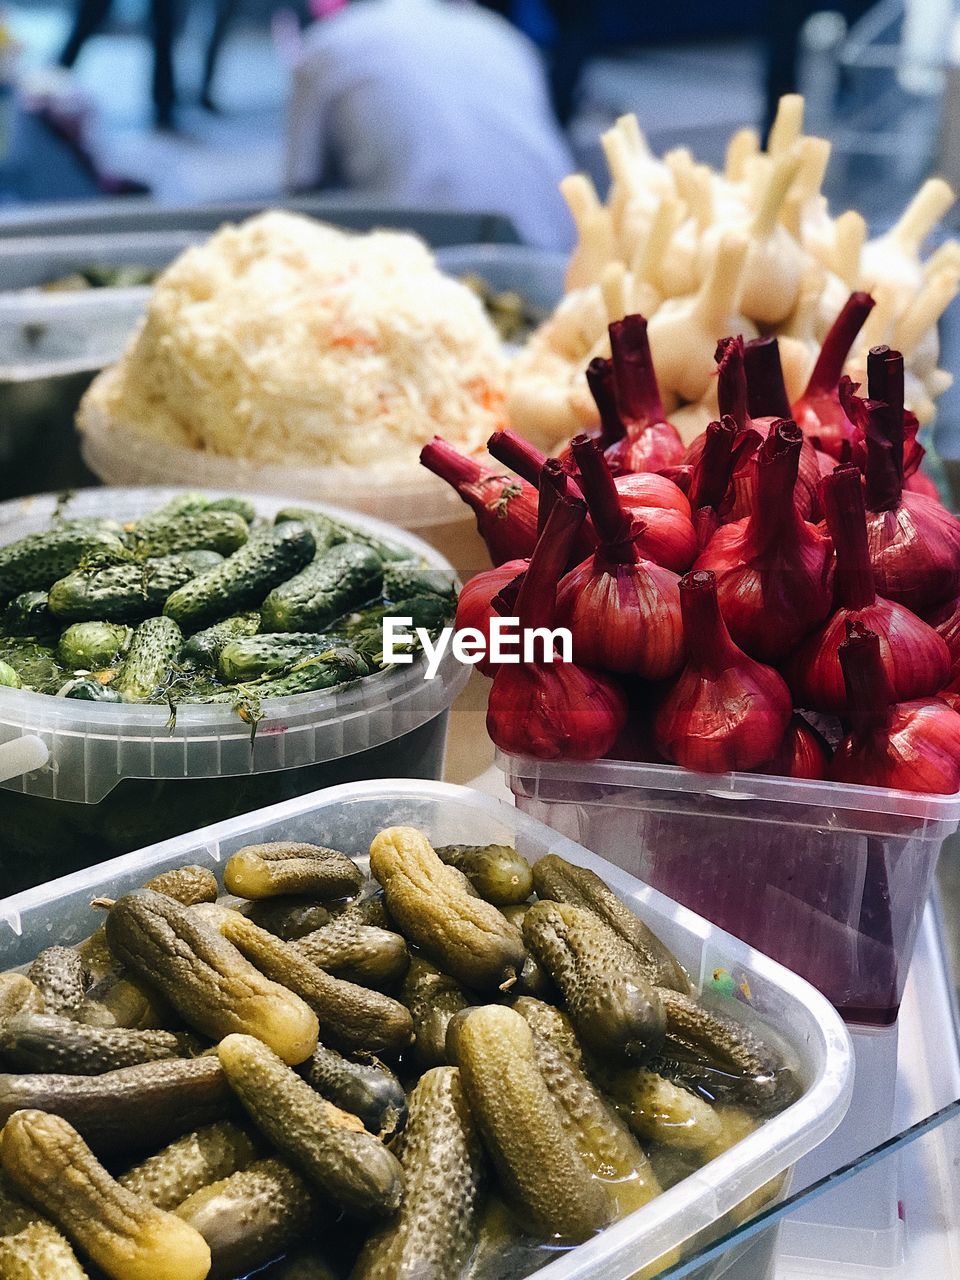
(194, 1161)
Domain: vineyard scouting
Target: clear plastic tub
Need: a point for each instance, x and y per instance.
(348, 817)
(120, 775)
(831, 880)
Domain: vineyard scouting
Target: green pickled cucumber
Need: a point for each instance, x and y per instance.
(339, 665)
(153, 650)
(203, 649)
(207, 530)
(213, 988)
(433, 999)
(329, 1147)
(125, 592)
(615, 1009)
(288, 918)
(496, 871)
(600, 1137)
(368, 907)
(287, 867)
(357, 952)
(658, 1110)
(27, 615)
(345, 576)
(48, 1162)
(363, 1086)
(252, 1216)
(562, 881)
(443, 1164)
(466, 936)
(91, 646)
(250, 657)
(404, 581)
(35, 562)
(44, 1042)
(58, 975)
(194, 1161)
(541, 1173)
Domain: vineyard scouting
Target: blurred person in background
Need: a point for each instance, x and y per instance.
(434, 103)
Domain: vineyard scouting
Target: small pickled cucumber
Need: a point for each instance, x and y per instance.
(368, 907)
(186, 885)
(119, 999)
(496, 871)
(194, 1161)
(540, 1170)
(206, 979)
(612, 1005)
(47, 1042)
(331, 1148)
(735, 1125)
(288, 918)
(443, 1165)
(433, 999)
(562, 881)
(600, 1137)
(251, 1216)
(286, 867)
(657, 1110)
(58, 975)
(38, 1252)
(353, 1017)
(357, 952)
(18, 995)
(467, 937)
(366, 1088)
(48, 1162)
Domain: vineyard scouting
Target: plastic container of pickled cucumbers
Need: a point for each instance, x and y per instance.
(347, 817)
(829, 879)
(120, 776)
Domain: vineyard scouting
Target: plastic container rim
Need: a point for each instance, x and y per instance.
(829, 1095)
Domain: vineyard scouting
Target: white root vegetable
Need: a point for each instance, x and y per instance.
(915, 330)
(894, 259)
(775, 261)
(787, 124)
(595, 242)
(850, 235)
(742, 145)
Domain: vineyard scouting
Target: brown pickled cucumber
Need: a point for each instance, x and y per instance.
(735, 1125)
(194, 1161)
(368, 907)
(58, 975)
(288, 918)
(49, 1163)
(287, 867)
(45, 1042)
(433, 999)
(130, 1109)
(612, 1005)
(251, 1216)
(210, 984)
(561, 881)
(119, 999)
(496, 871)
(352, 1017)
(330, 1147)
(186, 885)
(443, 1163)
(658, 1110)
(357, 952)
(754, 1070)
(366, 1088)
(18, 995)
(38, 1252)
(540, 1170)
(467, 937)
(600, 1137)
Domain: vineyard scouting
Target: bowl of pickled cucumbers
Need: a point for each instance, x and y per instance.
(188, 656)
(431, 1062)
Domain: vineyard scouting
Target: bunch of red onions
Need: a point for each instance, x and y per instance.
(779, 624)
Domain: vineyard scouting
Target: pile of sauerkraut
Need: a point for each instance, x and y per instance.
(284, 340)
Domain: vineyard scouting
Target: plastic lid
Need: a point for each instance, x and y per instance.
(94, 745)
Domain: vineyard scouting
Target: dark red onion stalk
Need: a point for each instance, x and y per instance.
(914, 541)
(475, 604)
(623, 611)
(774, 571)
(766, 390)
(557, 710)
(529, 462)
(506, 508)
(906, 746)
(803, 753)
(611, 429)
(915, 657)
(725, 711)
(650, 441)
(818, 413)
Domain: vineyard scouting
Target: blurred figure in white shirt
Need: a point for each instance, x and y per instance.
(436, 103)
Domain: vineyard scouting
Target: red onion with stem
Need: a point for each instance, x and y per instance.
(556, 710)
(506, 508)
(475, 603)
(803, 753)
(529, 462)
(915, 657)
(766, 390)
(902, 745)
(774, 571)
(914, 541)
(623, 611)
(650, 441)
(725, 711)
(818, 413)
(600, 381)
